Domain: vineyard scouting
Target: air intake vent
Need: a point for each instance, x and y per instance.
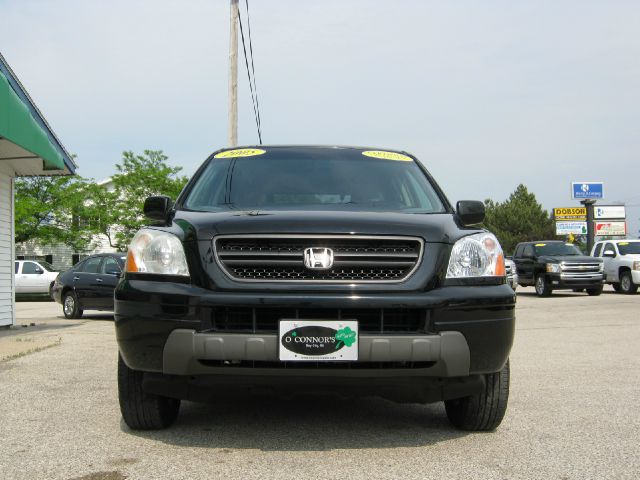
(284, 258)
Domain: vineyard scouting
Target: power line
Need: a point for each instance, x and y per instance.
(253, 95)
(253, 69)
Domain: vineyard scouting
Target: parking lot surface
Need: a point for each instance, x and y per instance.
(573, 411)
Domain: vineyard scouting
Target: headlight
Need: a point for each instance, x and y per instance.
(478, 255)
(554, 268)
(152, 251)
(636, 265)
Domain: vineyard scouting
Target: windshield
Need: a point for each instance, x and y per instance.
(556, 249)
(47, 266)
(316, 179)
(629, 248)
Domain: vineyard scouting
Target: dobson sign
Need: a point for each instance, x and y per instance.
(583, 190)
(570, 213)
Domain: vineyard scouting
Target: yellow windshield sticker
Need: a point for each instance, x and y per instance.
(623, 243)
(240, 152)
(541, 244)
(387, 155)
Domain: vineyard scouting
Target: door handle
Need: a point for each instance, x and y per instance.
(99, 280)
(76, 278)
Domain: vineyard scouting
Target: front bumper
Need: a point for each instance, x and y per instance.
(56, 292)
(152, 317)
(563, 280)
(635, 276)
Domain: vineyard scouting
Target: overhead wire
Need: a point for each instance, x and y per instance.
(253, 68)
(253, 95)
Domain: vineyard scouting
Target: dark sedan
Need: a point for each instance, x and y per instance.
(89, 284)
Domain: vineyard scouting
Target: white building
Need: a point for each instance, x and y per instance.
(28, 147)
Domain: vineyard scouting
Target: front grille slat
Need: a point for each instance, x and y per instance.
(280, 258)
(266, 319)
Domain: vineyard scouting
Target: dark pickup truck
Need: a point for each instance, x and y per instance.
(554, 265)
(314, 269)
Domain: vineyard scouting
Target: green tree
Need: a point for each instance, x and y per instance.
(118, 213)
(47, 210)
(518, 219)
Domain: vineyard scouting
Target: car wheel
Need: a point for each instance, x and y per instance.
(594, 292)
(616, 287)
(70, 306)
(141, 410)
(485, 411)
(542, 286)
(626, 284)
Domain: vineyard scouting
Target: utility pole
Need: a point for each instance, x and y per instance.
(233, 76)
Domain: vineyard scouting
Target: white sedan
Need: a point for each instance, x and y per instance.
(34, 276)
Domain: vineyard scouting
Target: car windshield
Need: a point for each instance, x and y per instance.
(48, 267)
(556, 249)
(629, 248)
(314, 179)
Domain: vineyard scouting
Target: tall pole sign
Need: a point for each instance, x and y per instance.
(588, 193)
(233, 76)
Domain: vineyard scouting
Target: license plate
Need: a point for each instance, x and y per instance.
(318, 340)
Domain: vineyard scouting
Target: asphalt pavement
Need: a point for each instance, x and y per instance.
(573, 412)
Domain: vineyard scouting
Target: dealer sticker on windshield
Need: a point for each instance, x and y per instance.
(240, 152)
(318, 340)
(387, 155)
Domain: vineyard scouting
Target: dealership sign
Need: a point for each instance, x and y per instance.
(606, 229)
(587, 190)
(609, 211)
(318, 340)
(566, 228)
(570, 213)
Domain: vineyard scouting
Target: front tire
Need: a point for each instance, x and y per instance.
(626, 283)
(543, 289)
(141, 410)
(485, 411)
(71, 306)
(594, 292)
(616, 287)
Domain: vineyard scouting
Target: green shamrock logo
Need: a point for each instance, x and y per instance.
(294, 334)
(345, 336)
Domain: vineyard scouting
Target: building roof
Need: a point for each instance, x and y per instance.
(27, 142)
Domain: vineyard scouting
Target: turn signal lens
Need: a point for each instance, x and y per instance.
(478, 255)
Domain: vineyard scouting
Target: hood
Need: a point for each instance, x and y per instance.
(438, 227)
(568, 259)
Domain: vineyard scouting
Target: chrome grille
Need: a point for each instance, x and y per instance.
(280, 258)
(575, 270)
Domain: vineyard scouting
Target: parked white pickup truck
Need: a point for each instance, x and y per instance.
(34, 276)
(621, 263)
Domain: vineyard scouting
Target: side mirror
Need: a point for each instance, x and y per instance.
(157, 208)
(470, 212)
(609, 253)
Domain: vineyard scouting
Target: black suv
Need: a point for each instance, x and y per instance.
(554, 265)
(301, 269)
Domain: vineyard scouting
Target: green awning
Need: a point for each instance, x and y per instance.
(18, 126)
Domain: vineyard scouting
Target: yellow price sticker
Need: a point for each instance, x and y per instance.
(623, 243)
(240, 152)
(387, 155)
(541, 245)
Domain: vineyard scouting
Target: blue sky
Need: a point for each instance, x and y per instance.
(487, 94)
